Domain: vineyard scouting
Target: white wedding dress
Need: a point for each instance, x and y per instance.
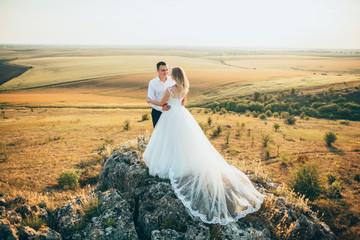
(205, 183)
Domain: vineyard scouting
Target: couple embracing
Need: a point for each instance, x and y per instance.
(209, 188)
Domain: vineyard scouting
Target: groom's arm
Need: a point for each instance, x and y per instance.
(151, 95)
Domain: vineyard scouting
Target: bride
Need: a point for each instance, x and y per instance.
(178, 149)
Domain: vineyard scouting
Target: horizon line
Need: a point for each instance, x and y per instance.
(223, 47)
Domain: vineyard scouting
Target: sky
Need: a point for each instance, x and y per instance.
(316, 24)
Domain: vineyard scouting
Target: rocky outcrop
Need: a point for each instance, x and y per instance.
(130, 204)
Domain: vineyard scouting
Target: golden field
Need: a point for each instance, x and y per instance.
(68, 111)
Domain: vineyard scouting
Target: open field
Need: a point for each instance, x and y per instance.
(38, 145)
(68, 111)
(119, 78)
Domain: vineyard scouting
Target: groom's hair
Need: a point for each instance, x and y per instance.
(162, 63)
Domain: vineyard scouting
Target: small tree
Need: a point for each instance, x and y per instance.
(329, 138)
(276, 126)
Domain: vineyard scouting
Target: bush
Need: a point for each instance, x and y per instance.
(145, 117)
(334, 190)
(266, 139)
(69, 179)
(290, 120)
(276, 114)
(222, 111)
(345, 122)
(276, 126)
(305, 180)
(267, 152)
(34, 222)
(209, 121)
(302, 115)
(126, 125)
(331, 178)
(217, 130)
(268, 113)
(241, 107)
(262, 116)
(227, 137)
(284, 115)
(329, 138)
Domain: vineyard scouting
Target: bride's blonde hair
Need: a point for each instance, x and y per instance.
(181, 80)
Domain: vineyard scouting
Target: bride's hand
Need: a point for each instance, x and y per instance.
(148, 100)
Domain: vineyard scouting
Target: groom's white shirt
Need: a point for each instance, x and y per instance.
(156, 90)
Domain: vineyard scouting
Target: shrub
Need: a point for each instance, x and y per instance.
(276, 126)
(290, 120)
(69, 179)
(145, 117)
(222, 111)
(33, 221)
(268, 113)
(266, 139)
(345, 122)
(209, 121)
(217, 130)
(126, 125)
(227, 137)
(334, 189)
(241, 107)
(305, 180)
(276, 114)
(262, 116)
(329, 138)
(331, 178)
(248, 113)
(267, 152)
(302, 115)
(284, 115)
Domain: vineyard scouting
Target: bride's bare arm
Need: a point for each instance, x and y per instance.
(184, 100)
(163, 100)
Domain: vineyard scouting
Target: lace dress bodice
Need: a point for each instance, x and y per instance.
(175, 97)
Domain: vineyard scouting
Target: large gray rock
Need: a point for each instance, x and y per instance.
(7, 231)
(130, 204)
(113, 218)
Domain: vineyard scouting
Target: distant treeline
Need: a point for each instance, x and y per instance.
(330, 104)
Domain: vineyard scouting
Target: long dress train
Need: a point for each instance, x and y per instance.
(205, 183)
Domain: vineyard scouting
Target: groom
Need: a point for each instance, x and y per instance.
(157, 88)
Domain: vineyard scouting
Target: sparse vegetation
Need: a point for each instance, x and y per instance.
(69, 179)
(34, 222)
(329, 138)
(276, 126)
(126, 125)
(145, 117)
(305, 180)
(217, 130)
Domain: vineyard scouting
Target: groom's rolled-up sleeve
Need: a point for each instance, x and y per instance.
(151, 95)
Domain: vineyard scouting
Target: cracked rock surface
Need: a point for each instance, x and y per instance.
(130, 204)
